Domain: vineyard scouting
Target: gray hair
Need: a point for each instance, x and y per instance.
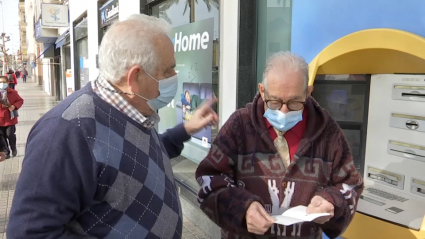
(286, 60)
(128, 43)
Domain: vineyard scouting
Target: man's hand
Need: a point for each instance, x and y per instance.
(202, 117)
(2, 156)
(320, 205)
(258, 221)
(12, 108)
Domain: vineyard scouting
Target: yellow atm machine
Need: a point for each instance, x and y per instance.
(386, 71)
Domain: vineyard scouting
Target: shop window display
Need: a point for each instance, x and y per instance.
(195, 35)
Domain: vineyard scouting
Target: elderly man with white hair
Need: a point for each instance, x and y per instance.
(95, 166)
(283, 150)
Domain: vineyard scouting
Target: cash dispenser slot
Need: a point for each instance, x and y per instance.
(406, 150)
(409, 92)
(391, 179)
(417, 187)
(407, 121)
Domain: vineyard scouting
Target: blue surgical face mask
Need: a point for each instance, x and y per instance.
(3, 86)
(283, 121)
(167, 91)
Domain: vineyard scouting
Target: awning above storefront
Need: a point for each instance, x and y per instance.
(45, 50)
(372, 51)
(61, 39)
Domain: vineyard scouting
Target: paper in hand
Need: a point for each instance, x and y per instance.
(296, 215)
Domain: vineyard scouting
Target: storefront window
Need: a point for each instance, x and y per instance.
(195, 35)
(177, 13)
(274, 23)
(81, 54)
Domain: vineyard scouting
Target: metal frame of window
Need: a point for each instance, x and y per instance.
(352, 125)
(77, 80)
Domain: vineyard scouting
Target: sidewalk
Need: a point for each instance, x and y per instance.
(36, 104)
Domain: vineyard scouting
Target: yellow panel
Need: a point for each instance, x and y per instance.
(365, 227)
(372, 51)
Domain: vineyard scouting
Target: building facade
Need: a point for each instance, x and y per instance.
(23, 34)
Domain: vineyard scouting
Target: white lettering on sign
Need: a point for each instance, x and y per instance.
(192, 42)
(114, 11)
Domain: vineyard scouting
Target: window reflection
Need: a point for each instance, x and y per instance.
(274, 26)
(173, 11)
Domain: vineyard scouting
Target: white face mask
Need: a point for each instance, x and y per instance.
(3, 86)
(167, 91)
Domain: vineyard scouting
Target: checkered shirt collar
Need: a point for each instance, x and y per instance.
(113, 97)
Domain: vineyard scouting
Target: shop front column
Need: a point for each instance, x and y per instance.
(229, 44)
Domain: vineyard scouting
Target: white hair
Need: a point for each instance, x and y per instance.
(286, 61)
(128, 43)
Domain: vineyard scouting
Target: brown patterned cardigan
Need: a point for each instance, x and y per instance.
(243, 166)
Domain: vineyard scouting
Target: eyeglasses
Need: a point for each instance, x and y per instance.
(292, 105)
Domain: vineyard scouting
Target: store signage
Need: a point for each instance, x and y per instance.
(193, 46)
(37, 29)
(192, 42)
(70, 86)
(109, 12)
(54, 15)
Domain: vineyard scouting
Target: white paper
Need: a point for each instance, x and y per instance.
(296, 215)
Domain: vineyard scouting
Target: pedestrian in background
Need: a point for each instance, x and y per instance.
(10, 103)
(11, 78)
(24, 74)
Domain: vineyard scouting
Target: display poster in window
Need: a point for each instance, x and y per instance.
(70, 86)
(193, 49)
(84, 71)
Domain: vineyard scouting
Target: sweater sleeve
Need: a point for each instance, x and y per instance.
(57, 181)
(220, 198)
(345, 190)
(173, 140)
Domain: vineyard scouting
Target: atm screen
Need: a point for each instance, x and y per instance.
(344, 102)
(345, 98)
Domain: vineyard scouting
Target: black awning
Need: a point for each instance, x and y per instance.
(61, 39)
(44, 51)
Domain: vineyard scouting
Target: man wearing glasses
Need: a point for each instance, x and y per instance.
(281, 151)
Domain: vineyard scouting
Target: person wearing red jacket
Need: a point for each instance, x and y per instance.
(15, 80)
(10, 102)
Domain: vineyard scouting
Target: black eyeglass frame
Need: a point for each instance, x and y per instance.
(285, 103)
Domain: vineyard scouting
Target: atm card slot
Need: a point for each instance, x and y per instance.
(409, 93)
(406, 154)
(406, 150)
(413, 95)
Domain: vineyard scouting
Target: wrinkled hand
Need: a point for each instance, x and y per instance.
(12, 108)
(202, 117)
(2, 156)
(320, 205)
(258, 221)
